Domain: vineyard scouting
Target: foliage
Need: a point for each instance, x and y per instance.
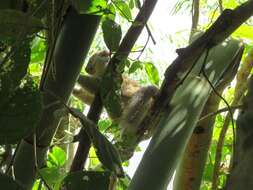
(14, 123)
(14, 24)
(112, 34)
(54, 172)
(24, 35)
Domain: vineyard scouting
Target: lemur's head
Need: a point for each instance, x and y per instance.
(98, 63)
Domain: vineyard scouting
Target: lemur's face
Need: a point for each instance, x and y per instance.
(97, 63)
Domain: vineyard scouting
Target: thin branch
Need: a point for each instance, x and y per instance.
(220, 111)
(220, 96)
(144, 47)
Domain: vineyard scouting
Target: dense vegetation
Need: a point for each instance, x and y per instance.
(199, 121)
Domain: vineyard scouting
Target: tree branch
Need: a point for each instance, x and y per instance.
(123, 52)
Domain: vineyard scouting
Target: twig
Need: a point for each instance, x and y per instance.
(220, 111)
(220, 96)
(144, 47)
(146, 25)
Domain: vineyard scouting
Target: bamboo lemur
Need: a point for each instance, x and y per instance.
(136, 99)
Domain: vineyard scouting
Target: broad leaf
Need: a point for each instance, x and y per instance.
(135, 66)
(106, 152)
(124, 9)
(152, 73)
(244, 31)
(56, 157)
(110, 12)
(52, 175)
(112, 34)
(111, 98)
(95, 7)
(131, 4)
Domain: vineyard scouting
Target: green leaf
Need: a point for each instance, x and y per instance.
(231, 4)
(152, 73)
(135, 66)
(104, 124)
(38, 51)
(124, 182)
(131, 4)
(124, 9)
(16, 24)
(106, 152)
(244, 31)
(57, 157)
(110, 12)
(19, 116)
(93, 161)
(51, 175)
(110, 94)
(7, 182)
(13, 71)
(95, 7)
(51, 161)
(87, 180)
(112, 34)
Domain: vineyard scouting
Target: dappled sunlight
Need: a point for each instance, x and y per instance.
(209, 64)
